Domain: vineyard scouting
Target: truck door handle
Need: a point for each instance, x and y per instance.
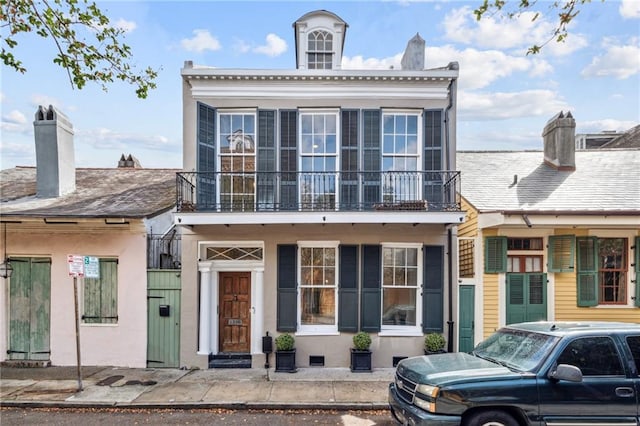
(624, 392)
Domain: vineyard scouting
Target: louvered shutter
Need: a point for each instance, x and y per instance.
(587, 277)
(370, 315)
(287, 302)
(433, 289)
(495, 255)
(349, 184)
(266, 161)
(288, 160)
(560, 253)
(348, 289)
(206, 179)
(371, 157)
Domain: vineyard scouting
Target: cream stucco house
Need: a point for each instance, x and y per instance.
(317, 201)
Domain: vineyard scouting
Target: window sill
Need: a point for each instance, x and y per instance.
(401, 333)
(317, 333)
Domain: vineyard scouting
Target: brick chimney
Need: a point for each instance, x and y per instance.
(55, 156)
(559, 137)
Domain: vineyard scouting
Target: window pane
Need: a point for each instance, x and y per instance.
(318, 306)
(399, 306)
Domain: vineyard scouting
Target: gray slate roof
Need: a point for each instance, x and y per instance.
(604, 181)
(118, 192)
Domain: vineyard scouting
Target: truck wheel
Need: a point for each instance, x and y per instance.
(491, 418)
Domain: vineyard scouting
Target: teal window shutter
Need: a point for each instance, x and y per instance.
(637, 268)
(371, 157)
(433, 289)
(287, 303)
(206, 179)
(371, 297)
(348, 289)
(587, 277)
(266, 161)
(495, 255)
(288, 160)
(560, 253)
(349, 179)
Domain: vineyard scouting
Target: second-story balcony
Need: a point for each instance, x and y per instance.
(329, 193)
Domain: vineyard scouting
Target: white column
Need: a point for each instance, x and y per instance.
(257, 309)
(204, 345)
(213, 309)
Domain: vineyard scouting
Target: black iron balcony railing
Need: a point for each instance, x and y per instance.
(317, 191)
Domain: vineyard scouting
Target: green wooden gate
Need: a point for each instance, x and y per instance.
(526, 297)
(163, 318)
(466, 320)
(29, 309)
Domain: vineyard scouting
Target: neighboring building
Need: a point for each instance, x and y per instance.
(318, 201)
(551, 235)
(54, 210)
(609, 139)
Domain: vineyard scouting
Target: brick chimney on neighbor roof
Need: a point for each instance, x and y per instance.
(55, 156)
(559, 136)
(129, 162)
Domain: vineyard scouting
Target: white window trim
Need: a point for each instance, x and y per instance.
(317, 330)
(404, 330)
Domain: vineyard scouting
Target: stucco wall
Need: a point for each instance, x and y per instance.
(334, 348)
(122, 344)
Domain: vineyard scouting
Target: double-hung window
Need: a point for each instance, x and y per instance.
(401, 272)
(236, 141)
(100, 295)
(318, 287)
(401, 156)
(318, 160)
(602, 271)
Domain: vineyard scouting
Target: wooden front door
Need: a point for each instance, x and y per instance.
(235, 310)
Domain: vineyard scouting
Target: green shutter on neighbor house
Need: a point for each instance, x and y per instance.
(495, 255)
(587, 277)
(101, 295)
(288, 160)
(348, 289)
(287, 301)
(561, 253)
(371, 297)
(637, 269)
(433, 289)
(206, 180)
(266, 160)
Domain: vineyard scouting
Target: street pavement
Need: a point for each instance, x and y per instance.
(308, 388)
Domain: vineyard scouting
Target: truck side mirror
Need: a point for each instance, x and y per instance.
(567, 372)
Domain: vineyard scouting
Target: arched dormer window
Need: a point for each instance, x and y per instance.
(320, 50)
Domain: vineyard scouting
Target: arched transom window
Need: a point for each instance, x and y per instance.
(320, 51)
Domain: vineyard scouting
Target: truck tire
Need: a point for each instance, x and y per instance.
(491, 418)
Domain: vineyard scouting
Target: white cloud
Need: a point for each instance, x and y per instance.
(500, 32)
(607, 124)
(274, 46)
(360, 63)
(102, 138)
(127, 26)
(15, 117)
(2, 97)
(619, 61)
(44, 100)
(630, 9)
(241, 46)
(503, 105)
(201, 41)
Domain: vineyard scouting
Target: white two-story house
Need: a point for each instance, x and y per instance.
(317, 201)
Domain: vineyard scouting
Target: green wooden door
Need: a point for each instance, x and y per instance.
(29, 309)
(466, 320)
(526, 297)
(163, 319)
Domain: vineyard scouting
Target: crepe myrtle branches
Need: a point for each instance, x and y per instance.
(87, 45)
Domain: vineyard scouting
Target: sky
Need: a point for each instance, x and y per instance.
(505, 96)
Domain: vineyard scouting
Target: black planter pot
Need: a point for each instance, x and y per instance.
(441, 351)
(360, 361)
(286, 361)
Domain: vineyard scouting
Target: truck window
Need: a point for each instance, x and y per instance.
(595, 356)
(634, 345)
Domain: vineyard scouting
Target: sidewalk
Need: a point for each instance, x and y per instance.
(308, 388)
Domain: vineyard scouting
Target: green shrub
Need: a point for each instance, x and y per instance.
(285, 342)
(361, 341)
(434, 342)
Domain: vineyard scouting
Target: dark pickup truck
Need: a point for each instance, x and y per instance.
(542, 373)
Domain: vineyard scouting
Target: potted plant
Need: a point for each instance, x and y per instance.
(285, 353)
(434, 344)
(360, 353)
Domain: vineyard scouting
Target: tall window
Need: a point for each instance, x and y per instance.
(318, 160)
(100, 295)
(236, 138)
(400, 272)
(612, 270)
(318, 287)
(400, 157)
(320, 50)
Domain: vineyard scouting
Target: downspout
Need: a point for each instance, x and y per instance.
(450, 272)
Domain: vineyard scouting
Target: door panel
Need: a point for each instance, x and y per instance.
(163, 319)
(526, 297)
(235, 310)
(29, 309)
(467, 314)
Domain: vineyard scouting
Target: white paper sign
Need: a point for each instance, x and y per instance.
(76, 265)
